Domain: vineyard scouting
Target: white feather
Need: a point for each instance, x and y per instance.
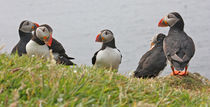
(108, 58)
(32, 48)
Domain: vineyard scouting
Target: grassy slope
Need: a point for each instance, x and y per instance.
(33, 82)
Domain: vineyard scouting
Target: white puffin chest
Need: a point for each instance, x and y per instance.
(32, 48)
(109, 58)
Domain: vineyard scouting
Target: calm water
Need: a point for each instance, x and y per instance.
(134, 22)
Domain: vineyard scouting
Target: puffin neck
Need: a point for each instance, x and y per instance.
(178, 26)
(24, 35)
(109, 44)
(160, 44)
(37, 40)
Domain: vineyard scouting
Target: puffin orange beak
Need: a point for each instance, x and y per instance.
(152, 45)
(36, 26)
(163, 22)
(48, 42)
(99, 38)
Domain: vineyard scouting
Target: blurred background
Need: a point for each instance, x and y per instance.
(133, 22)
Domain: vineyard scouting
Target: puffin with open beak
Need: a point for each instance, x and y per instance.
(178, 47)
(108, 56)
(42, 42)
(153, 61)
(25, 33)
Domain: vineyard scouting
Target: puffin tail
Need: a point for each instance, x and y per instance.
(65, 61)
(178, 66)
(66, 56)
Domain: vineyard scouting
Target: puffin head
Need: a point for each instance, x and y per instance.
(171, 20)
(27, 26)
(105, 36)
(157, 39)
(44, 33)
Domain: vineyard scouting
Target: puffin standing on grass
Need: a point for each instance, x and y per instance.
(108, 56)
(178, 47)
(153, 61)
(42, 42)
(25, 32)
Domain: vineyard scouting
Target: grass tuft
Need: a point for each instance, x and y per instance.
(34, 81)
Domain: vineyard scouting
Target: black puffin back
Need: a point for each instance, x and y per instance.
(152, 62)
(57, 47)
(20, 47)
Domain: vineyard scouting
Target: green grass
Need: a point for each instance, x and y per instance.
(33, 81)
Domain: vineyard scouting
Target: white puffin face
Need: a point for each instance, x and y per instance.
(27, 26)
(154, 39)
(43, 33)
(171, 19)
(106, 36)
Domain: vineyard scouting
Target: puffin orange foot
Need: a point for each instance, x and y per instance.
(175, 72)
(183, 73)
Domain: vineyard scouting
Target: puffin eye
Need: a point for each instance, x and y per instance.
(43, 30)
(170, 16)
(27, 23)
(106, 33)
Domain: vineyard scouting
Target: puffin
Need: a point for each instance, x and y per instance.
(178, 47)
(153, 61)
(25, 33)
(42, 42)
(108, 56)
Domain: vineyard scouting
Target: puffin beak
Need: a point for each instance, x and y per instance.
(35, 26)
(163, 22)
(152, 45)
(99, 38)
(49, 42)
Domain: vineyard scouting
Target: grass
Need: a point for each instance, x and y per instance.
(33, 81)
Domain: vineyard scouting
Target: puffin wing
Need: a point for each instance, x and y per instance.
(179, 50)
(14, 49)
(144, 57)
(171, 48)
(189, 49)
(94, 57)
(139, 72)
(19, 48)
(57, 47)
(120, 55)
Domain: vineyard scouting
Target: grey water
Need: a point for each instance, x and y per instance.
(133, 22)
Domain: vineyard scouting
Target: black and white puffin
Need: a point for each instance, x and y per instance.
(42, 42)
(25, 32)
(153, 61)
(178, 47)
(108, 56)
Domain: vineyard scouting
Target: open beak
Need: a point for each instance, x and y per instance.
(49, 41)
(99, 38)
(35, 26)
(163, 22)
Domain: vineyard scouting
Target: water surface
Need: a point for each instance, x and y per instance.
(134, 22)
